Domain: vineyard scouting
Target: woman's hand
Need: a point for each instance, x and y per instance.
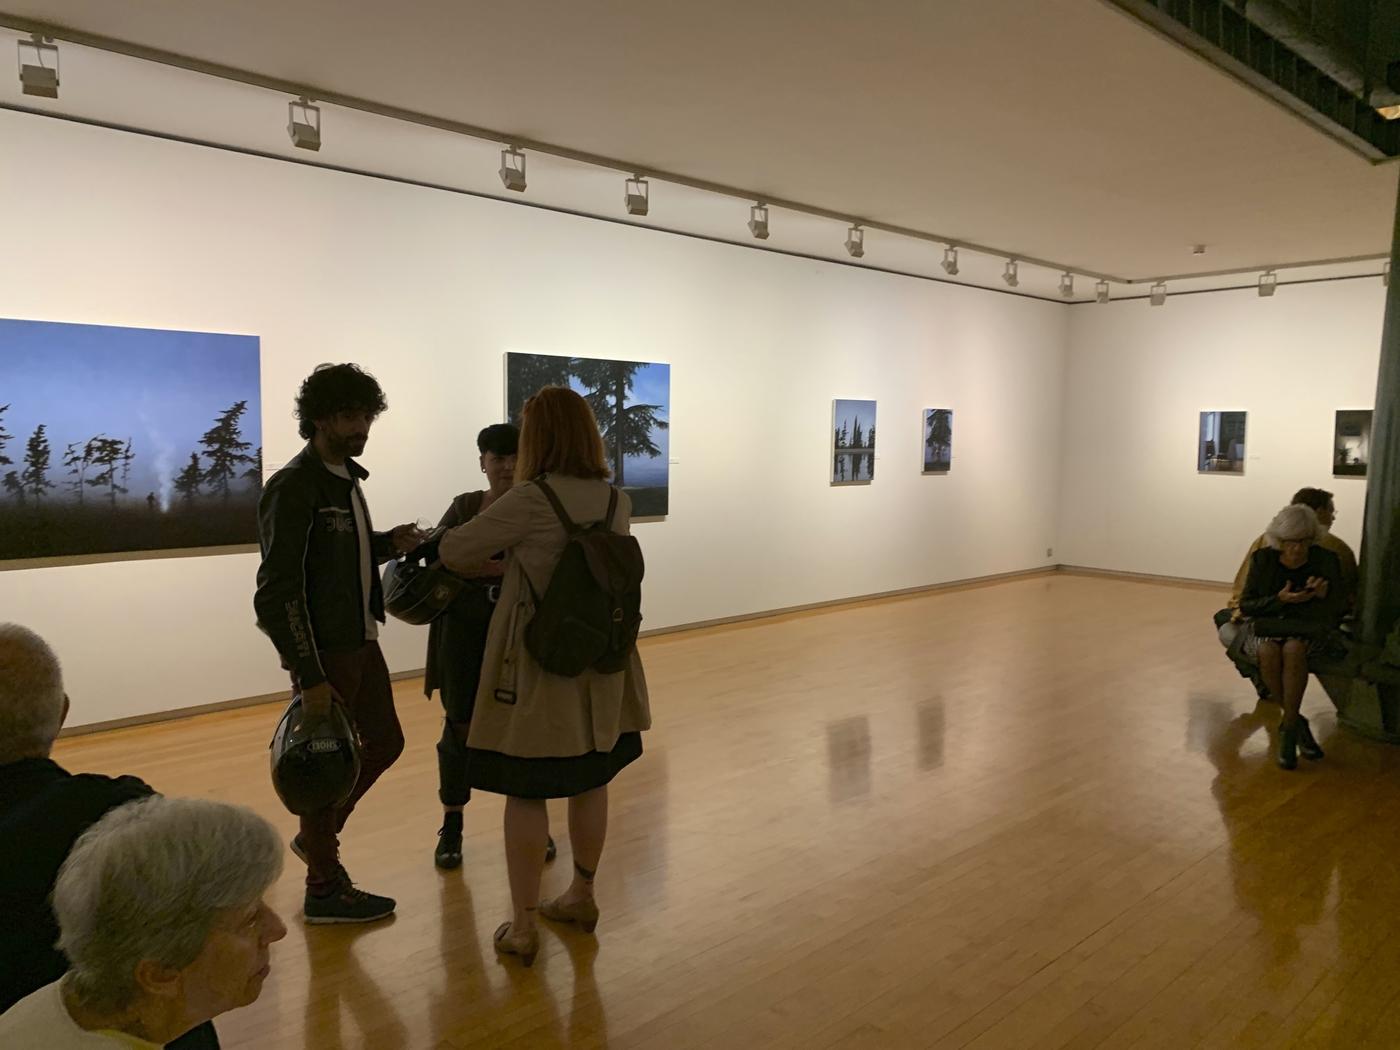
(1291, 597)
(1317, 586)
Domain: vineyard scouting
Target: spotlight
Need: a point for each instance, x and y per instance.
(304, 124)
(758, 221)
(38, 66)
(1159, 293)
(1268, 284)
(637, 195)
(1067, 285)
(855, 242)
(950, 261)
(1012, 275)
(1101, 291)
(513, 169)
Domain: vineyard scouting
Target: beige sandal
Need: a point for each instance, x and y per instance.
(584, 912)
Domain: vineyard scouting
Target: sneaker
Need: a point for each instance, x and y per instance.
(346, 904)
(448, 854)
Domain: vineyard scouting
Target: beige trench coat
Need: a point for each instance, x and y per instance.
(552, 716)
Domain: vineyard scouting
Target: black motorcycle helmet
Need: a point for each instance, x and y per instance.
(417, 589)
(315, 761)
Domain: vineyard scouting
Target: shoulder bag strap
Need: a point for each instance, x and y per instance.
(474, 502)
(612, 508)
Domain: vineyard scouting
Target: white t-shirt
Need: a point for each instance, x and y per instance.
(357, 506)
(40, 1021)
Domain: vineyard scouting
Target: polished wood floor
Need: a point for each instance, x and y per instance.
(1035, 815)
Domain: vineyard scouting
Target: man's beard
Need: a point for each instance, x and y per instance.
(349, 446)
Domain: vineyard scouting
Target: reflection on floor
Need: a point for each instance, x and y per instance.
(1034, 815)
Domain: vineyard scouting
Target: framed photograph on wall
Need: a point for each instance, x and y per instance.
(1220, 446)
(115, 440)
(1351, 442)
(632, 402)
(853, 442)
(937, 437)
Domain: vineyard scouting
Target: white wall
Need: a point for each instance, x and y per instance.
(428, 290)
(1137, 380)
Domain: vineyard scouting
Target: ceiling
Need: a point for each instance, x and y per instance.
(1053, 128)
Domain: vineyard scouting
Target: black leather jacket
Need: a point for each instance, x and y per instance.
(309, 597)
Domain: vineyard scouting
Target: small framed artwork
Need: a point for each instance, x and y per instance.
(853, 442)
(938, 440)
(1351, 443)
(1220, 448)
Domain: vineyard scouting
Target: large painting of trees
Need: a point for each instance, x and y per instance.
(631, 401)
(116, 440)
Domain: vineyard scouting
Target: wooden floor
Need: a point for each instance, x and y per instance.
(1033, 815)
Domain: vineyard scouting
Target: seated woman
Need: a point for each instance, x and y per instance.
(1293, 599)
(161, 915)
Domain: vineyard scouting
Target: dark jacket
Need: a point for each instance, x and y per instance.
(1268, 576)
(43, 810)
(309, 597)
(457, 638)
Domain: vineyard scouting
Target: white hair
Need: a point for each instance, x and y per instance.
(31, 694)
(148, 880)
(1296, 523)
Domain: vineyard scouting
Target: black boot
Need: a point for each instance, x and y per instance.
(1288, 746)
(448, 854)
(1307, 743)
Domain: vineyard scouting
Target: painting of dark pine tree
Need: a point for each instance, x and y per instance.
(632, 403)
(115, 440)
(853, 442)
(938, 440)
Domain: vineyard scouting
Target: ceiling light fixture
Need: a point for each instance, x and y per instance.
(1159, 293)
(1067, 285)
(304, 124)
(1101, 291)
(637, 195)
(1389, 112)
(758, 221)
(855, 242)
(1012, 276)
(1268, 284)
(38, 66)
(950, 261)
(513, 169)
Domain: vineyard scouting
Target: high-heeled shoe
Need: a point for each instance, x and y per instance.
(1288, 747)
(1308, 746)
(584, 913)
(508, 943)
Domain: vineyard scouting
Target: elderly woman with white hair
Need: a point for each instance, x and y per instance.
(1293, 599)
(161, 915)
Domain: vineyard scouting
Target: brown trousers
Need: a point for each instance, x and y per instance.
(361, 678)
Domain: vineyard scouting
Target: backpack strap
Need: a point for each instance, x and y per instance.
(612, 508)
(560, 512)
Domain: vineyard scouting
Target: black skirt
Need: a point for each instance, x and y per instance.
(550, 777)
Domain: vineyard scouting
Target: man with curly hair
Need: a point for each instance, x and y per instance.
(319, 600)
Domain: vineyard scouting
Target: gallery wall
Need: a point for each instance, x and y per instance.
(429, 290)
(1138, 378)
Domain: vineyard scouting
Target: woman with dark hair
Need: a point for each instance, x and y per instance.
(457, 643)
(536, 735)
